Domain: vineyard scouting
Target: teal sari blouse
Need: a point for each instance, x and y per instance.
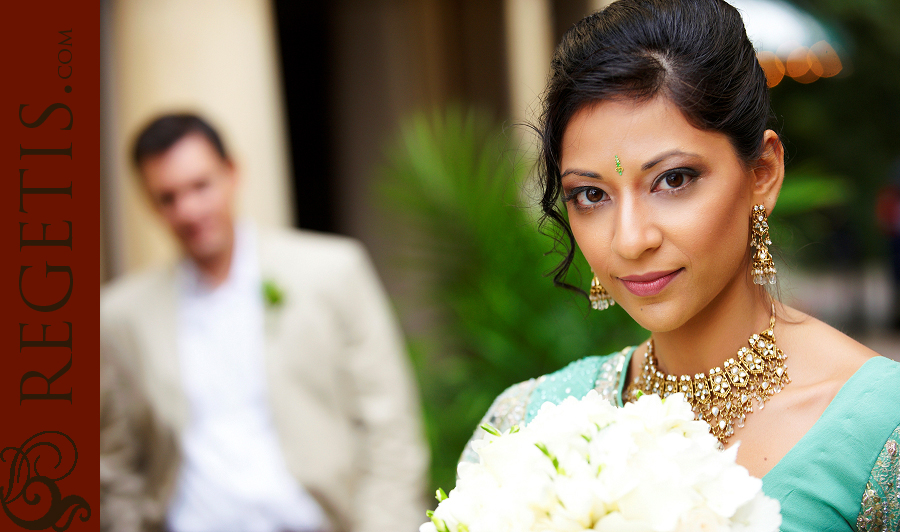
(843, 475)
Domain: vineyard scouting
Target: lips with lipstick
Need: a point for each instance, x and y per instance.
(649, 284)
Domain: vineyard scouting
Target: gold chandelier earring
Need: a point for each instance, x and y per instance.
(600, 298)
(762, 267)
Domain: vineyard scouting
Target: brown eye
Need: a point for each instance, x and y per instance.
(674, 180)
(586, 198)
(594, 195)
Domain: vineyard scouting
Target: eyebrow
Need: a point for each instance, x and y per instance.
(662, 157)
(582, 173)
(644, 167)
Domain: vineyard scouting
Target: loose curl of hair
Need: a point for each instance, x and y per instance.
(694, 52)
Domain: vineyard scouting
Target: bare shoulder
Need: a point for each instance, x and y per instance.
(817, 352)
(820, 360)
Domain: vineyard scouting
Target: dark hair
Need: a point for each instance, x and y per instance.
(694, 52)
(163, 132)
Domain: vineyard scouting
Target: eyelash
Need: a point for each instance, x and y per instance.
(577, 191)
(689, 174)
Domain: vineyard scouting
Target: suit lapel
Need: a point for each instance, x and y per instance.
(159, 331)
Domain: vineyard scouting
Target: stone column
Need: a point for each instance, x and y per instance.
(529, 36)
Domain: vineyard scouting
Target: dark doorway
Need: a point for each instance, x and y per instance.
(303, 37)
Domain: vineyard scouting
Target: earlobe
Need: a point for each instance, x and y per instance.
(230, 166)
(768, 172)
(231, 170)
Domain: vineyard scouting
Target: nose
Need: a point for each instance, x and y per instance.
(635, 229)
(187, 208)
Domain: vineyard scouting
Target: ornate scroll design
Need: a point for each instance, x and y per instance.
(31, 498)
(880, 508)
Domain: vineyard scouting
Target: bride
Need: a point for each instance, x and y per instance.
(657, 163)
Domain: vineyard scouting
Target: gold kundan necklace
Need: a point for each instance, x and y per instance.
(722, 398)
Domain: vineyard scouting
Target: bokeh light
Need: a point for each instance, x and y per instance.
(802, 64)
(772, 66)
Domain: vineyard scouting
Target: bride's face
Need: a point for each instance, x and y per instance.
(671, 233)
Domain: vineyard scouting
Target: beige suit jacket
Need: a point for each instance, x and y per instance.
(342, 397)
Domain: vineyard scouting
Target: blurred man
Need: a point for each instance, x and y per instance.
(260, 383)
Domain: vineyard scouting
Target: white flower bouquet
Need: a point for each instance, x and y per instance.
(586, 465)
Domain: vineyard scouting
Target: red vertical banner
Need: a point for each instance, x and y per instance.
(49, 281)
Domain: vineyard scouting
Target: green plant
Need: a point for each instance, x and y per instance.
(811, 208)
(454, 191)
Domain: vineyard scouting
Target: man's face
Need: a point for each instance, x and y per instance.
(193, 189)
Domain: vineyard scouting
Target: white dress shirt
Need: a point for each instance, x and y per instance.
(233, 476)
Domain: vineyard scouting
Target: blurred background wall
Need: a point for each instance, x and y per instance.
(318, 99)
(306, 94)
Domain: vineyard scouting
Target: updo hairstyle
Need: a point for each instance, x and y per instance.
(693, 52)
